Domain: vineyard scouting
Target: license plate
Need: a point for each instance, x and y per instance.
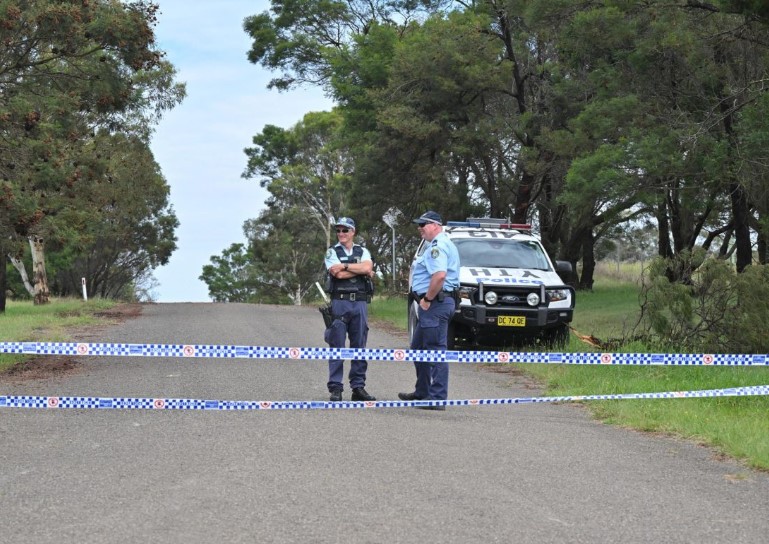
(511, 321)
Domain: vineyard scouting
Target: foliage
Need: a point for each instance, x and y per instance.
(229, 277)
(598, 122)
(306, 170)
(76, 80)
(718, 311)
(288, 256)
(281, 265)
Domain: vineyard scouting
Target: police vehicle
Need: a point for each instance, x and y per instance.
(510, 293)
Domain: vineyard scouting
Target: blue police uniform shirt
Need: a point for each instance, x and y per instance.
(441, 255)
(332, 258)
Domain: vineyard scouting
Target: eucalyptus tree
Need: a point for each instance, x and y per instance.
(446, 102)
(430, 140)
(305, 167)
(307, 171)
(230, 277)
(345, 48)
(753, 149)
(301, 39)
(68, 69)
(122, 229)
(581, 116)
(280, 264)
(667, 85)
(287, 254)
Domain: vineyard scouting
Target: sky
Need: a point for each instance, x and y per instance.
(199, 144)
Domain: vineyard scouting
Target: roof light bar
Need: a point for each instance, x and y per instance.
(489, 225)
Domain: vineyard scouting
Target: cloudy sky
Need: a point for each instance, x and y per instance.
(199, 145)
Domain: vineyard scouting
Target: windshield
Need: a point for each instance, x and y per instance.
(474, 252)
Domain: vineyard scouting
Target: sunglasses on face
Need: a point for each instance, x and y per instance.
(421, 225)
(342, 230)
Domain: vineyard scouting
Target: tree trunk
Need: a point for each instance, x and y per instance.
(588, 261)
(761, 241)
(523, 200)
(740, 205)
(42, 295)
(572, 252)
(18, 264)
(298, 295)
(3, 279)
(741, 214)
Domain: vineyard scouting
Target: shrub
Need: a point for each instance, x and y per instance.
(714, 310)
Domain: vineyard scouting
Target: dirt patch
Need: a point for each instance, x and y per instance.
(521, 377)
(48, 366)
(121, 312)
(39, 368)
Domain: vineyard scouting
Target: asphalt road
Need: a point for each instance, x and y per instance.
(520, 473)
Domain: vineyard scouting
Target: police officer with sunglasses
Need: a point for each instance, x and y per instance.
(435, 280)
(350, 269)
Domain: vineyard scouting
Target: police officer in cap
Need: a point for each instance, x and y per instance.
(349, 269)
(435, 280)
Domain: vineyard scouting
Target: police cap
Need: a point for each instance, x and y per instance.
(429, 217)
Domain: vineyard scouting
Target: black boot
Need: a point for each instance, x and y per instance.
(360, 393)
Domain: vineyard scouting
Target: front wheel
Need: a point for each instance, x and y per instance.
(413, 319)
(451, 336)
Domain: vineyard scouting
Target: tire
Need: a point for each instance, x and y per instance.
(413, 320)
(451, 337)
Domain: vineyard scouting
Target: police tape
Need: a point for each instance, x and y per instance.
(379, 354)
(133, 403)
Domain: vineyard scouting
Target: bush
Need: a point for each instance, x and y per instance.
(713, 310)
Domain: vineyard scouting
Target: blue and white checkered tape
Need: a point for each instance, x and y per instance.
(128, 403)
(379, 354)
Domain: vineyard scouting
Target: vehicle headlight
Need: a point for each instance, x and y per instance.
(554, 295)
(491, 298)
(532, 299)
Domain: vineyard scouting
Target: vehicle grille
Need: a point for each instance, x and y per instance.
(510, 297)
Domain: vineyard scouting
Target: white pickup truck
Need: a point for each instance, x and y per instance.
(511, 294)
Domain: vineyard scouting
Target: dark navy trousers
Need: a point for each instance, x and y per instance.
(353, 323)
(432, 333)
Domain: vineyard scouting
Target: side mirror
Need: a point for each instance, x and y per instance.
(563, 267)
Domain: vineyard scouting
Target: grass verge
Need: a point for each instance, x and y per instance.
(25, 322)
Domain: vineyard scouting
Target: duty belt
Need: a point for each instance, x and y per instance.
(440, 296)
(352, 297)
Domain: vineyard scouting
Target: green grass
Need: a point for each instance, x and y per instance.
(390, 309)
(610, 310)
(735, 426)
(25, 322)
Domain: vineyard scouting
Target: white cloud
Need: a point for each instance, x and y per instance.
(199, 144)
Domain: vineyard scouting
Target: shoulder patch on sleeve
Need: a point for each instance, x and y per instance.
(434, 252)
(329, 253)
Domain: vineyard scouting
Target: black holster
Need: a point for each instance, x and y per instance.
(328, 317)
